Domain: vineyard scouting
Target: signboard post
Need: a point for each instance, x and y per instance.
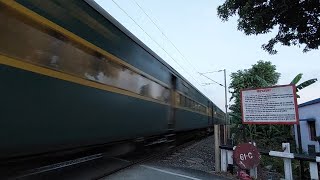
(271, 105)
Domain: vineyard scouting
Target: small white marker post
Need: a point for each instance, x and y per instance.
(313, 170)
(313, 166)
(224, 162)
(229, 157)
(287, 162)
(254, 171)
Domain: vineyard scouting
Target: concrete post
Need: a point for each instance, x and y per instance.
(216, 147)
(224, 161)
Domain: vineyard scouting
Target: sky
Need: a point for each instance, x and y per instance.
(193, 39)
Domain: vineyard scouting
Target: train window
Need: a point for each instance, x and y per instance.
(166, 95)
(197, 107)
(182, 101)
(194, 105)
(203, 109)
(48, 48)
(178, 99)
(188, 103)
(210, 112)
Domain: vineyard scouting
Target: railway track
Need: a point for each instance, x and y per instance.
(155, 155)
(87, 165)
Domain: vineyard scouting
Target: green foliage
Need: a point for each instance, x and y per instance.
(296, 79)
(306, 84)
(302, 85)
(261, 74)
(297, 22)
(262, 81)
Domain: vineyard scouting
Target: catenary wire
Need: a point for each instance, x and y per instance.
(154, 40)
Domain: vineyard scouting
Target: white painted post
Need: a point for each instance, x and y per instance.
(254, 171)
(313, 167)
(287, 162)
(224, 163)
(230, 157)
(313, 170)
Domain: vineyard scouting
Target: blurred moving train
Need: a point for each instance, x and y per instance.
(72, 76)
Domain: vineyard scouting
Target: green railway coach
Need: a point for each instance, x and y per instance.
(72, 76)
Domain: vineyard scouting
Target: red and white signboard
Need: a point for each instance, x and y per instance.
(272, 105)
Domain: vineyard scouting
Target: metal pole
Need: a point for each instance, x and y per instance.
(300, 149)
(299, 138)
(226, 105)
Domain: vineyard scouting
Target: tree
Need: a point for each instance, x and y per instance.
(297, 21)
(261, 74)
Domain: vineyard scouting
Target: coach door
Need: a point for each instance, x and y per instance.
(172, 113)
(208, 112)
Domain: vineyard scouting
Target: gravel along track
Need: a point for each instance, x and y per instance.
(198, 156)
